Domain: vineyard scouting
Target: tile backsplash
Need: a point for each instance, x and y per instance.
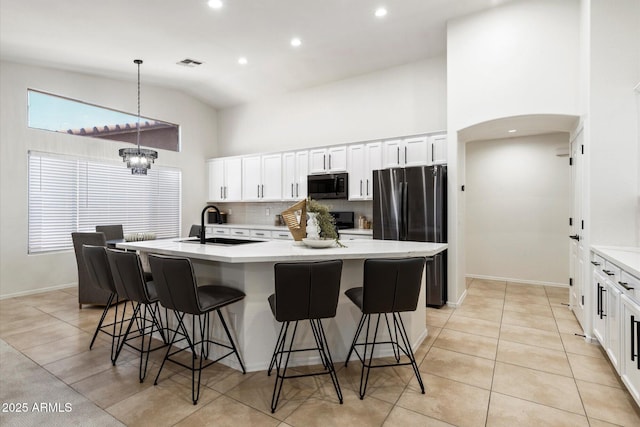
(264, 213)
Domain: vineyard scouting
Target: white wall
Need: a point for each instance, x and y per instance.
(612, 122)
(518, 201)
(403, 100)
(20, 272)
(517, 59)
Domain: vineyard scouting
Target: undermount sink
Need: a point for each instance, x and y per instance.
(221, 241)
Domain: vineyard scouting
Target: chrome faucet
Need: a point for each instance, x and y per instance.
(203, 230)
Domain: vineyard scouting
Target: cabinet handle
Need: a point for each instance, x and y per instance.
(433, 153)
(297, 193)
(292, 189)
(405, 155)
(635, 339)
(626, 286)
(398, 153)
(258, 191)
(608, 272)
(595, 263)
(367, 186)
(259, 234)
(226, 192)
(599, 302)
(361, 187)
(575, 237)
(324, 161)
(262, 190)
(329, 161)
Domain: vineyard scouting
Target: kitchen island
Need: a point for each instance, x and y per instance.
(249, 267)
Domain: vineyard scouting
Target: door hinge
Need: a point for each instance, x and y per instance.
(570, 161)
(570, 221)
(570, 281)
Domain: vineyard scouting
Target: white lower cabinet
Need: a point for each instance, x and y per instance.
(600, 318)
(613, 326)
(630, 357)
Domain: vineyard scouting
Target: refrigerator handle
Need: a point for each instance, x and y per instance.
(405, 206)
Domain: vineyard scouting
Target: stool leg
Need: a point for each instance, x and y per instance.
(122, 341)
(277, 388)
(364, 380)
(325, 354)
(405, 338)
(275, 351)
(104, 314)
(394, 340)
(355, 339)
(179, 317)
(235, 350)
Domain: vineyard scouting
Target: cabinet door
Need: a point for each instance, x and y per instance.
(337, 159)
(373, 161)
(271, 185)
(302, 170)
(233, 179)
(356, 160)
(251, 178)
(613, 325)
(600, 314)
(391, 154)
(439, 149)
(629, 359)
(215, 170)
(289, 177)
(317, 160)
(416, 151)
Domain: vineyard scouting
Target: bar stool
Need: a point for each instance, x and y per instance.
(129, 280)
(304, 291)
(389, 286)
(97, 264)
(88, 291)
(178, 290)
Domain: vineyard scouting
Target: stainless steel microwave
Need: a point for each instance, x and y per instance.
(328, 186)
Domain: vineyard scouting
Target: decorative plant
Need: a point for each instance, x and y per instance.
(326, 222)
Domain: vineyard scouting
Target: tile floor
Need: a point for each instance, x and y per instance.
(508, 356)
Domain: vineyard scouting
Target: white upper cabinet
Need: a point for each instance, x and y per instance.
(225, 179)
(262, 177)
(328, 160)
(415, 151)
(439, 149)
(295, 168)
(362, 160)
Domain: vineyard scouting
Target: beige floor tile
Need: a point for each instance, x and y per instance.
(539, 358)
(436, 317)
(561, 291)
(404, 417)
(323, 412)
(598, 423)
(525, 289)
(530, 336)
(474, 345)
(609, 404)
(563, 312)
(51, 333)
(228, 412)
(509, 411)
(482, 301)
(546, 323)
(476, 371)
(536, 309)
(577, 345)
(473, 326)
(60, 349)
(491, 314)
(539, 387)
(386, 384)
(161, 405)
(485, 293)
(558, 299)
(443, 401)
(82, 365)
(568, 326)
(25, 324)
(496, 285)
(593, 369)
(526, 299)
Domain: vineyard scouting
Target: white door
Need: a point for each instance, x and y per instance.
(302, 170)
(215, 169)
(289, 178)
(233, 179)
(630, 347)
(271, 186)
(391, 154)
(318, 160)
(439, 149)
(578, 251)
(251, 178)
(337, 159)
(356, 162)
(373, 154)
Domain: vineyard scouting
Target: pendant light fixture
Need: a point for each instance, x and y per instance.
(138, 159)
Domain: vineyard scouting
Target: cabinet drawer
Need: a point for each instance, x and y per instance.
(612, 271)
(598, 262)
(627, 281)
(282, 235)
(240, 232)
(219, 231)
(263, 234)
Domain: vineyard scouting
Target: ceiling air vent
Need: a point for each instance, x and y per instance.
(189, 62)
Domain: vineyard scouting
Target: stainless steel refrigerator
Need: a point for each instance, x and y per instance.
(411, 204)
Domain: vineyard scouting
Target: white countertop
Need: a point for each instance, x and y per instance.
(362, 231)
(286, 250)
(627, 258)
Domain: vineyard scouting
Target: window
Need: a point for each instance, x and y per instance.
(68, 194)
(65, 115)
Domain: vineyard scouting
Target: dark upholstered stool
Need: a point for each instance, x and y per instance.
(129, 279)
(95, 258)
(304, 291)
(178, 290)
(88, 291)
(194, 231)
(111, 232)
(389, 286)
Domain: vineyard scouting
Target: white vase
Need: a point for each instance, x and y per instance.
(313, 231)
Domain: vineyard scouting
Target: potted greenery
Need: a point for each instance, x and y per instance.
(324, 220)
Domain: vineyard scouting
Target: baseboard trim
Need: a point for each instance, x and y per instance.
(518, 281)
(38, 291)
(458, 303)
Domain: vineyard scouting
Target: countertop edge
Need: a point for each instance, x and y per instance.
(625, 257)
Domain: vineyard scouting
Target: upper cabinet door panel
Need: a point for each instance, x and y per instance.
(251, 179)
(233, 180)
(337, 159)
(271, 183)
(215, 170)
(391, 154)
(439, 149)
(416, 151)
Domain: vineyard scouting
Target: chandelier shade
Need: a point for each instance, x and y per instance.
(138, 159)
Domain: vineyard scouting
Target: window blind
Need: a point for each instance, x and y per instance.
(68, 194)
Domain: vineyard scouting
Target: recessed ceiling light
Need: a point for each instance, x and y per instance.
(380, 12)
(512, 130)
(295, 42)
(242, 60)
(215, 4)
